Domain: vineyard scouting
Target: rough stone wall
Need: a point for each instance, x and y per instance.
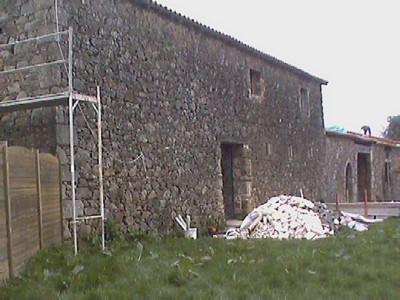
(396, 173)
(20, 20)
(377, 173)
(341, 151)
(175, 92)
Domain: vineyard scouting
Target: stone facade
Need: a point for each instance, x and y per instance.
(179, 93)
(396, 173)
(356, 163)
(21, 20)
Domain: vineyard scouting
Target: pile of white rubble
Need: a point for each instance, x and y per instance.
(291, 217)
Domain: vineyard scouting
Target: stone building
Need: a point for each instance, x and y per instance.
(359, 165)
(222, 126)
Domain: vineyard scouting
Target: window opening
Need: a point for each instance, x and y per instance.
(255, 82)
(311, 152)
(268, 149)
(290, 152)
(304, 102)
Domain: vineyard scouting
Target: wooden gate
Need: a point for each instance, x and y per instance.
(30, 206)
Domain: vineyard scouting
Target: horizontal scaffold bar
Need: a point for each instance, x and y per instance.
(56, 62)
(43, 101)
(40, 37)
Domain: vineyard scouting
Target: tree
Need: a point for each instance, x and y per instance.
(393, 129)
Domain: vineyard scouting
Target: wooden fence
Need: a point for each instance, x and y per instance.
(30, 206)
(369, 209)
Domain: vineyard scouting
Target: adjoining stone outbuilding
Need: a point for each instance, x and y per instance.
(359, 165)
(221, 126)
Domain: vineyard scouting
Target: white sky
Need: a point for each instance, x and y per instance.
(353, 44)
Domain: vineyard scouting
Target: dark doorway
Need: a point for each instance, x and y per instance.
(228, 189)
(237, 179)
(349, 183)
(387, 182)
(363, 176)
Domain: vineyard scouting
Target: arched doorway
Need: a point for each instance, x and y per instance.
(349, 183)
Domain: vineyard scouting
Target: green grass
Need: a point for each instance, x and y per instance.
(348, 266)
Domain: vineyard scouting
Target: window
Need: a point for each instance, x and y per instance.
(310, 152)
(248, 188)
(304, 102)
(387, 152)
(386, 176)
(255, 82)
(268, 149)
(290, 152)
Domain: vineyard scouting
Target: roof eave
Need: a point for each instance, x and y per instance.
(153, 5)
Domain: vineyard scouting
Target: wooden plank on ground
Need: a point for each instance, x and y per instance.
(22, 161)
(4, 271)
(50, 192)
(22, 182)
(23, 194)
(22, 200)
(20, 192)
(39, 200)
(7, 206)
(378, 209)
(25, 235)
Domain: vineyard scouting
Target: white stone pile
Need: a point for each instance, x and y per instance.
(286, 217)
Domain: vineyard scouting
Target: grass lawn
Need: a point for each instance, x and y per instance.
(350, 265)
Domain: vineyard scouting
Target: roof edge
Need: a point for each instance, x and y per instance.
(347, 136)
(362, 138)
(165, 11)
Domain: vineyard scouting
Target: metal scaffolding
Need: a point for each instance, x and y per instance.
(69, 98)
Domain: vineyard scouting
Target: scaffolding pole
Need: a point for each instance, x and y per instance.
(71, 138)
(71, 99)
(72, 105)
(100, 153)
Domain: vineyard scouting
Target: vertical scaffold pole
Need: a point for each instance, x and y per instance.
(100, 152)
(56, 13)
(71, 137)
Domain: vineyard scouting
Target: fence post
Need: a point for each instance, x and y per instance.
(366, 203)
(61, 202)
(7, 201)
(39, 199)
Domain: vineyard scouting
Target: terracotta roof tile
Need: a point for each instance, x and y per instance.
(364, 138)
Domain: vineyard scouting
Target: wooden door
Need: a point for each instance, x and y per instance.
(228, 182)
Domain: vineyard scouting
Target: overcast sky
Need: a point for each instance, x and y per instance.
(352, 44)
